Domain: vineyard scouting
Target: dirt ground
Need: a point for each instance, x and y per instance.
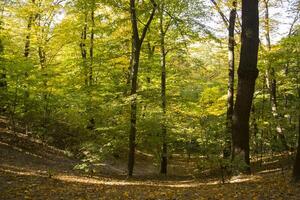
(30, 169)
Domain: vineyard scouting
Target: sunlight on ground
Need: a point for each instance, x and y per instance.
(118, 182)
(270, 171)
(244, 178)
(17, 171)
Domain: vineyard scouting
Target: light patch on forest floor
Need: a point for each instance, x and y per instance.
(33, 170)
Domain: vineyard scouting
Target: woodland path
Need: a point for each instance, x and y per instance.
(30, 169)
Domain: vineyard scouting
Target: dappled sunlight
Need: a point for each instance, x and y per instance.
(20, 149)
(21, 171)
(119, 182)
(270, 171)
(243, 178)
(171, 184)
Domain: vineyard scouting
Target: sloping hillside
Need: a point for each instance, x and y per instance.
(31, 169)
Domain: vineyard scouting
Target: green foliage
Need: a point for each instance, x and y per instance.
(54, 102)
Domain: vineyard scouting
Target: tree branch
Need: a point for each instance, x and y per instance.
(146, 27)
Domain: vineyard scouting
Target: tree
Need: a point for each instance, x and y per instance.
(230, 24)
(271, 79)
(230, 94)
(296, 169)
(3, 82)
(83, 43)
(31, 19)
(163, 53)
(247, 74)
(137, 44)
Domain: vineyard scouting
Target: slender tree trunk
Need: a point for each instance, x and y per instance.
(254, 128)
(247, 74)
(91, 123)
(42, 57)
(225, 20)
(28, 34)
(43, 65)
(271, 79)
(26, 55)
(92, 44)
(164, 155)
(296, 169)
(3, 83)
(130, 69)
(230, 94)
(83, 48)
(137, 43)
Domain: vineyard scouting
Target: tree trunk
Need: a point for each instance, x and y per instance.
(137, 43)
(3, 83)
(271, 80)
(42, 57)
(296, 169)
(28, 34)
(164, 155)
(225, 20)
(129, 70)
(92, 44)
(91, 122)
(83, 49)
(247, 74)
(254, 127)
(26, 55)
(230, 95)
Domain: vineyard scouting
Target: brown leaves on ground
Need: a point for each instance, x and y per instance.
(43, 173)
(67, 186)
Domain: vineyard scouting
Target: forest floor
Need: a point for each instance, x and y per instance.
(31, 169)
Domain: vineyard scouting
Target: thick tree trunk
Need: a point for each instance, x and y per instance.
(247, 74)
(271, 80)
(230, 94)
(137, 43)
(164, 155)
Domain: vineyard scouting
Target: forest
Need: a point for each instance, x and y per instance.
(149, 99)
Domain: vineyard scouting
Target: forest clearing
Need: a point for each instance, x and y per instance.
(149, 99)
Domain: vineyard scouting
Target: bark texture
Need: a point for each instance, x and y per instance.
(230, 94)
(136, 48)
(83, 48)
(247, 74)
(90, 76)
(164, 155)
(3, 83)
